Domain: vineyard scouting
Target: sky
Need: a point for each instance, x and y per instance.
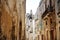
(32, 5)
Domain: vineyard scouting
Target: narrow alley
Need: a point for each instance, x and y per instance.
(29, 19)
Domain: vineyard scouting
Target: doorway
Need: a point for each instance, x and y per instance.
(52, 34)
(20, 29)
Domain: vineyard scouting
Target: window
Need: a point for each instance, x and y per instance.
(20, 23)
(59, 21)
(59, 16)
(59, 28)
(6, 2)
(46, 22)
(0, 13)
(51, 21)
(30, 17)
(28, 26)
(4, 37)
(31, 31)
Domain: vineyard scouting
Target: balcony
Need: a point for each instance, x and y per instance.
(44, 14)
(47, 10)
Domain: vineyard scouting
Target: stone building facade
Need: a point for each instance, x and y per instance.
(12, 19)
(57, 9)
(39, 21)
(49, 20)
(50, 10)
(29, 26)
(37, 24)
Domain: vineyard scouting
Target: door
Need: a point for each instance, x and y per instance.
(52, 34)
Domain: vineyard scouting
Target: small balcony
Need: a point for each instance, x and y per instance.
(47, 10)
